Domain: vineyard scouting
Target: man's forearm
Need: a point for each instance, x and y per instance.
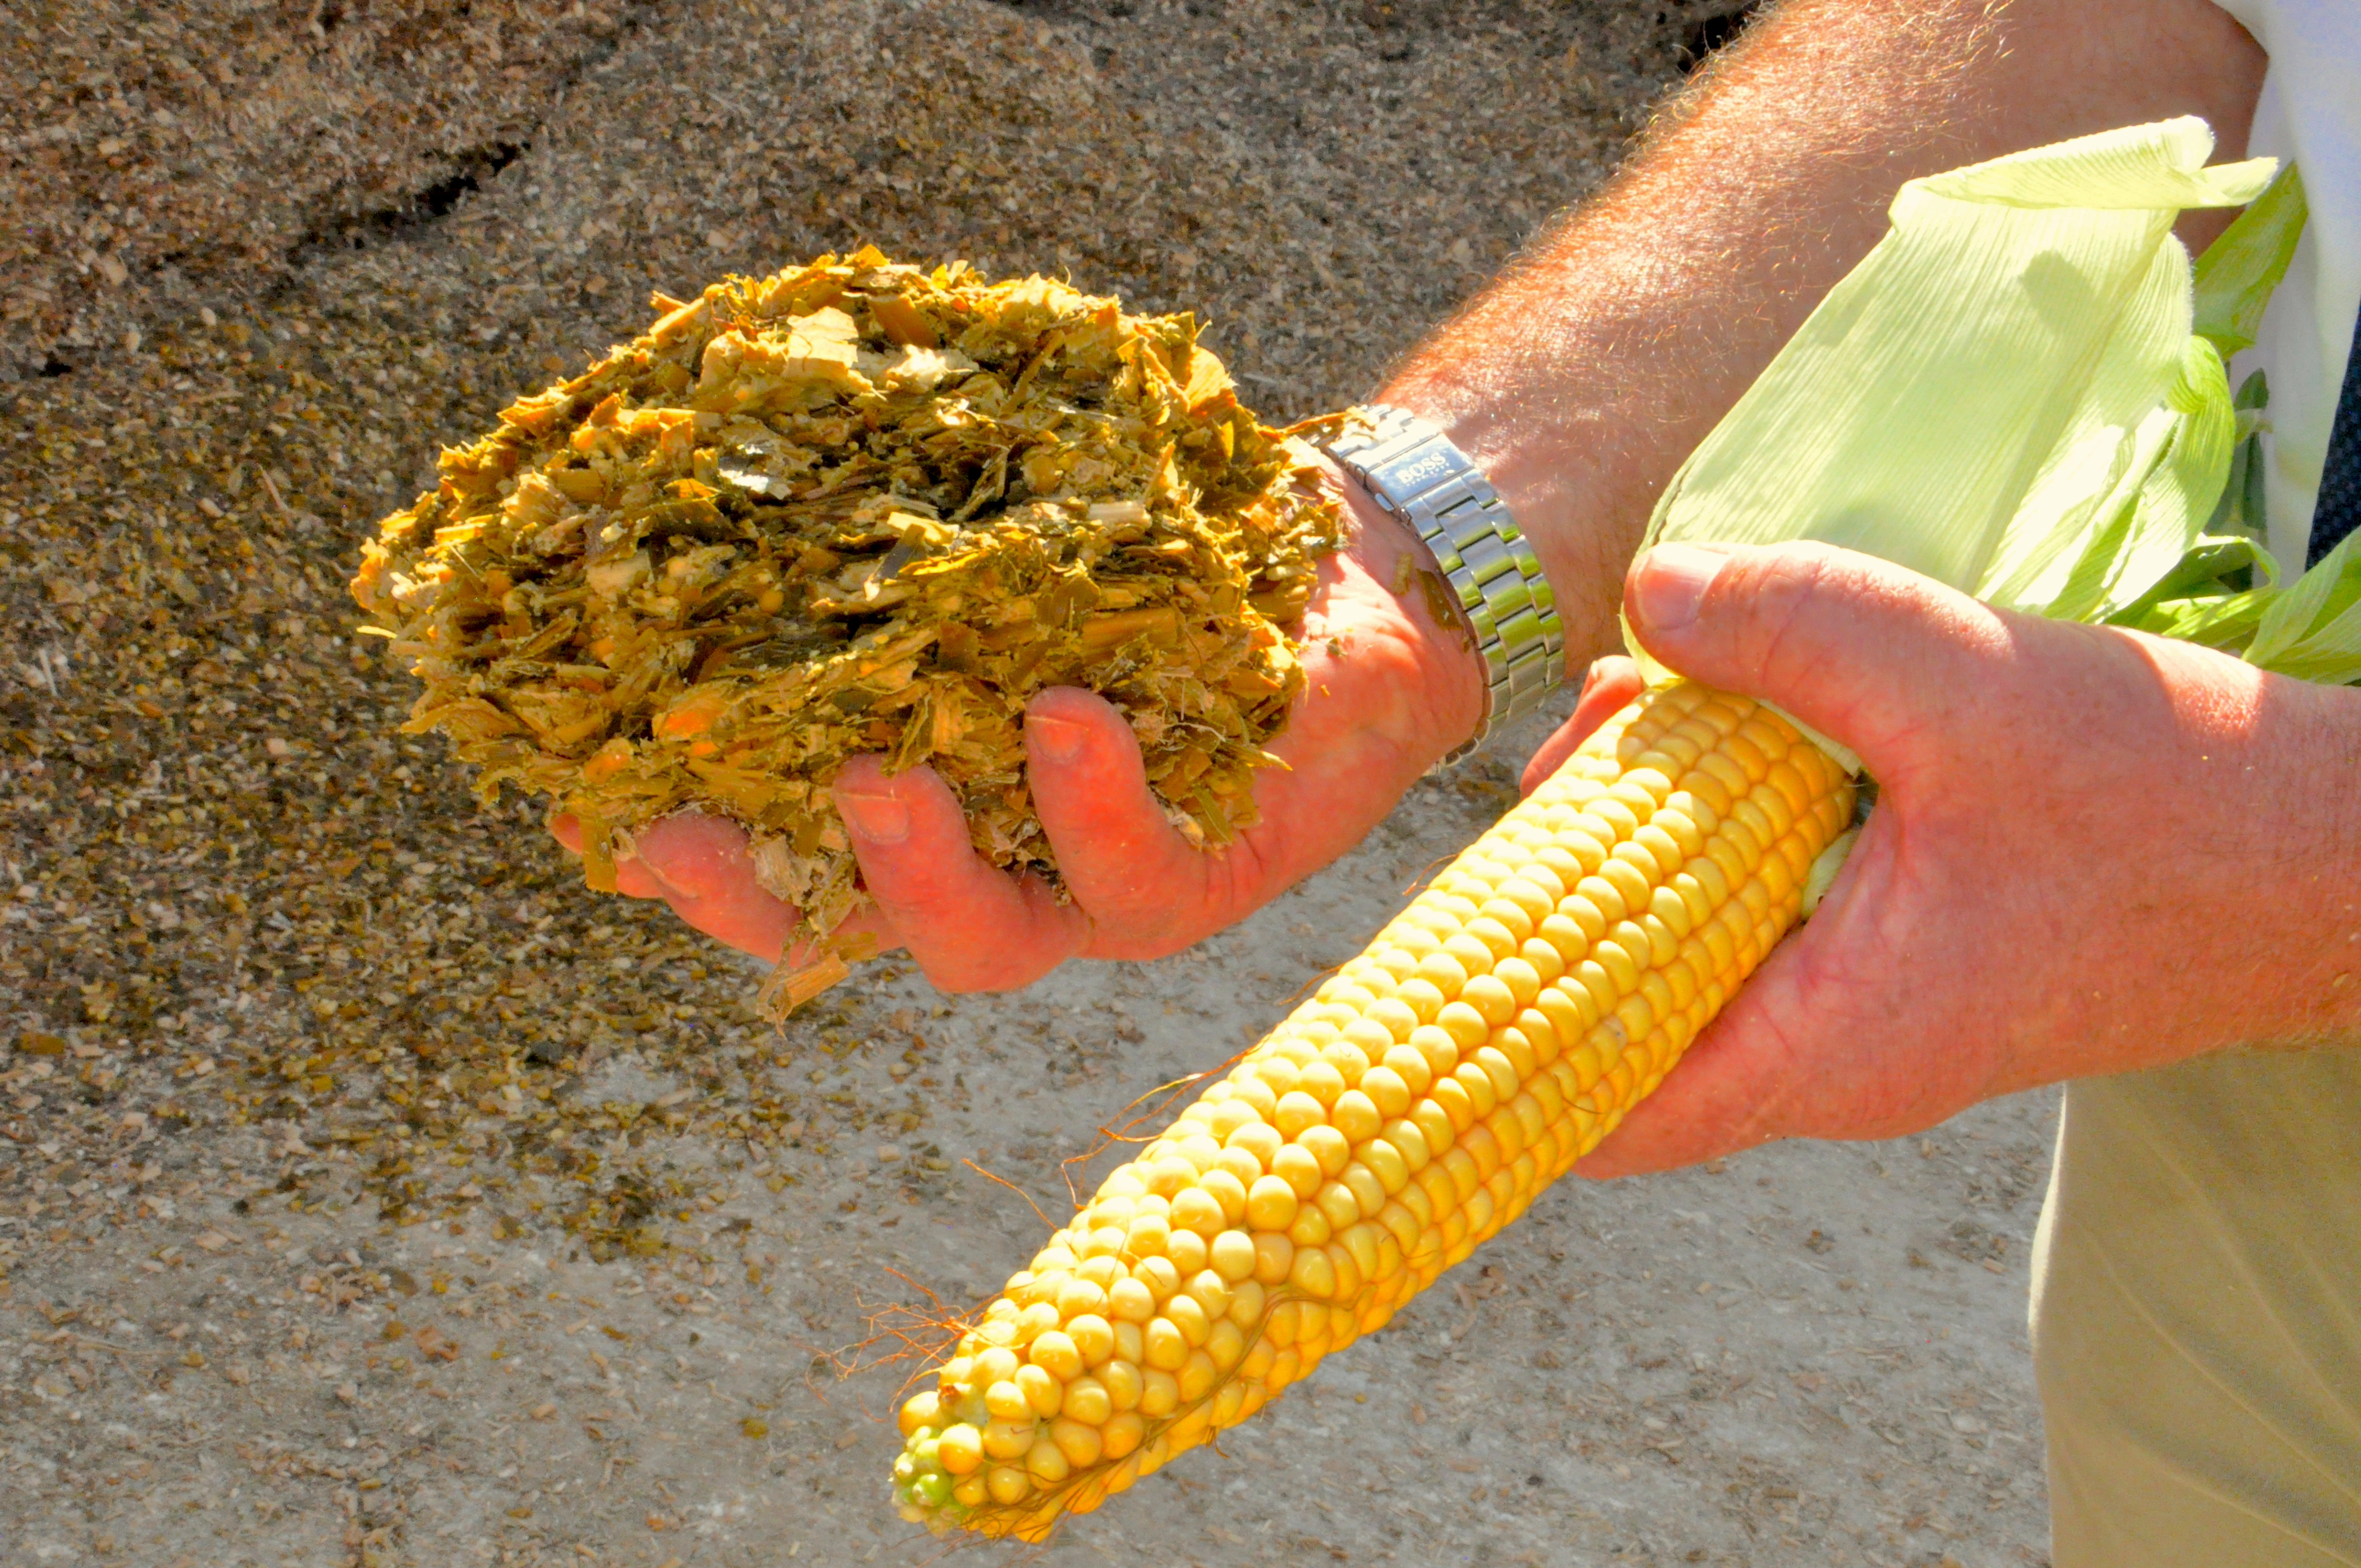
(1583, 376)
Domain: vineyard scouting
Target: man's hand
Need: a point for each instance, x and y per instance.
(1387, 691)
(2092, 852)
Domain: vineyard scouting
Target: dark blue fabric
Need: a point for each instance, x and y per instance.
(2339, 512)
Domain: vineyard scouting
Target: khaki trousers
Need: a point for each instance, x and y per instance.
(2197, 1316)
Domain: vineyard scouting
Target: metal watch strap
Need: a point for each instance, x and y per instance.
(1421, 480)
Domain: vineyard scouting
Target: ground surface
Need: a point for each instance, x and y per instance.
(370, 1194)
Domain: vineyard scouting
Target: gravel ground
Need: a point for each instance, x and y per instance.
(371, 1193)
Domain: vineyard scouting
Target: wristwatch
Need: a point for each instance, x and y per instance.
(1412, 471)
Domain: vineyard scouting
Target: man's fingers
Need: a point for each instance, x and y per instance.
(698, 864)
(969, 927)
(634, 878)
(1611, 683)
(701, 864)
(1718, 1101)
(1857, 648)
(1821, 1041)
(1748, 1079)
(1119, 855)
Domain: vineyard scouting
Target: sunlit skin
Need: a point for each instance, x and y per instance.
(2094, 851)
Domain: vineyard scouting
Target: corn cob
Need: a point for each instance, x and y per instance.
(1489, 1038)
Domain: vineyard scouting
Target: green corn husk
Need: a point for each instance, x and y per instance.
(2021, 392)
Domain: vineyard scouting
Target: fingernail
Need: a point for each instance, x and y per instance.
(1671, 583)
(880, 819)
(1059, 740)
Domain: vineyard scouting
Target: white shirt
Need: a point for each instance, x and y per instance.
(2310, 112)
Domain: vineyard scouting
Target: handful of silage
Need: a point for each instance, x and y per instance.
(857, 507)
